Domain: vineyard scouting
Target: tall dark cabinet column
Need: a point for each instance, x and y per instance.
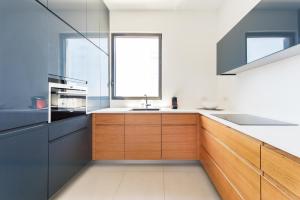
(23, 63)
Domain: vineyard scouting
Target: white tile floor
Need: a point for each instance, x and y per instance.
(103, 181)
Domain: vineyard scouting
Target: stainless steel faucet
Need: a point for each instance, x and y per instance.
(146, 98)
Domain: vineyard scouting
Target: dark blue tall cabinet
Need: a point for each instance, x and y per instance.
(38, 38)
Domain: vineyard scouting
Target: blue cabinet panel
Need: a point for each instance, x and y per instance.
(104, 27)
(104, 78)
(73, 12)
(23, 63)
(64, 127)
(24, 164)
(65, 50)
(93, 21)
(67, 155)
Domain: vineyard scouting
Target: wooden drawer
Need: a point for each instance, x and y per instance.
(109, 147)
(112, 134)
(108, 119)
(272, 191)
(142, 147)
(142, 142)
(179, 119)
(143, 155)
(108, 142)
(107, 155)
(247, 147)
(143, 119)
(179, 142)
(179, 155)
(185, 147)
(244, 177)
(179, 134)
(282, 167)
(142, 134)
(221, 182)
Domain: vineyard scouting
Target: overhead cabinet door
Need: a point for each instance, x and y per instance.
(23, 63)
(73, 12)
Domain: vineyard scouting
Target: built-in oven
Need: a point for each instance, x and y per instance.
(66, 100)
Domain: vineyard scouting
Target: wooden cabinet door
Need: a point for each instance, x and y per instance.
(244, 176)
(243, 145)
(108, 137)
(143, 142)
(273, 191)
(225, 188)
(282, 167)
(179, 142)
(143, 136)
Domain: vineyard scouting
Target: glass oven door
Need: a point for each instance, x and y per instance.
(66, 101)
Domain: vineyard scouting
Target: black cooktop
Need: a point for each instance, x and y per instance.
(251, 120)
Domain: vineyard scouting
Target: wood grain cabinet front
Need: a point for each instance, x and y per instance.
(270, 190)
(241, 174)
(143, 136)
(108, 137)
(225, 188)
(243, 145)
(179, 137)
(282, 167)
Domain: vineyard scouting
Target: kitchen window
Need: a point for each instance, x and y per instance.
(136, 66)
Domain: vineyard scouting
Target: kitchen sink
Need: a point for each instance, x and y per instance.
(145, 109)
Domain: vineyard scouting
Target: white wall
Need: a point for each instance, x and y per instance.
(189, 57)
(270, 91)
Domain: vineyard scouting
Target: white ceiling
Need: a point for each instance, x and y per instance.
(163, 4)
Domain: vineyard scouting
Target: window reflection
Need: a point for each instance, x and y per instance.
(259, 45)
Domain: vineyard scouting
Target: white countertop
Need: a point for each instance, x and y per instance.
(286, 138)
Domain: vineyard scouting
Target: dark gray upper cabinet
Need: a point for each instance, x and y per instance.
(66, 53)
(44, 2)
(264, 35)
(98, 23)
(93, 21)
(93, 60)
(104, 27)
(23, 63)
(104, 90)
(73, 12)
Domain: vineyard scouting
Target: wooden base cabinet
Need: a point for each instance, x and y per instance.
(220, 181)
(179, 142)
(240, 173)
(273, 191)
(108, 137)
(284, 169)
(179, 136)
(142, 136)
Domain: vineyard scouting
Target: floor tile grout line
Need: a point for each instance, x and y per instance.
(164, 183)
(119, 185)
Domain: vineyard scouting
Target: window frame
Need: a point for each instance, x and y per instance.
(113, 65)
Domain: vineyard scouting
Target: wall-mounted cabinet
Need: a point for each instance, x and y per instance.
(75, 51)
(44, 2)
(104, 27)
(268, 33)
(23, 63)
(73, 12)
(65, 50)
(93, 21)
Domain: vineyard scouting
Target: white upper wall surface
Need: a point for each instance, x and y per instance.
(163, 4)
(188, 53)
